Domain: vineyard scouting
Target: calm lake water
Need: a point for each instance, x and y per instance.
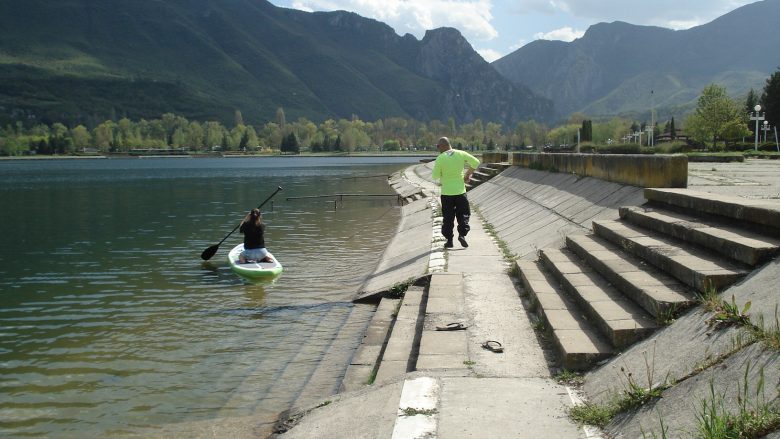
(112, 325)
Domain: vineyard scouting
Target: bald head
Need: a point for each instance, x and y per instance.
(443, 144)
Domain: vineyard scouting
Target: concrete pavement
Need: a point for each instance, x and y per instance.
(458, 389)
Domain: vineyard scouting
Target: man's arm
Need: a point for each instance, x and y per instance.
(436, 174)
(472, 163)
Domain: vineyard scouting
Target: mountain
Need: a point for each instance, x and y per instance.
(623, 69)
(87, 60)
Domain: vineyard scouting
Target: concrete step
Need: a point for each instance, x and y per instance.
(400, 354)
(493, 168)
(579, 345)
(656, 292)
(739, 244)
(365, 362)
(691, 265)
(482, 176)
(765, 213)
(440, 350)
(618, 318)
(327, 377)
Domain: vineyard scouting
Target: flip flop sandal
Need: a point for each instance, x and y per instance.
(456, 326)
(493, 346)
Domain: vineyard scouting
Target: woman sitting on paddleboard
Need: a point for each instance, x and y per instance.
(253, 229)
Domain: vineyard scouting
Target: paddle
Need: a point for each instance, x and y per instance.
(209, 252)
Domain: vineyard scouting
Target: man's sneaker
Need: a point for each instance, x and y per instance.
(463, 242)
(448, 244)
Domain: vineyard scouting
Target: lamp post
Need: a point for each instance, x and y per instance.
(765, 128)
(757, 116)
(649, 130)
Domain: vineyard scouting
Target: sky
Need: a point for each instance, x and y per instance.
(496, 28)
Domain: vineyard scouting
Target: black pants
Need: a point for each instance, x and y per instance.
(455, 206)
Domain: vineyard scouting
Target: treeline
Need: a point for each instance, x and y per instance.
(344, 135)
(717, 120)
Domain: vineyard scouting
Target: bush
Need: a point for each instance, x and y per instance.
(391, 145)
(625, 148)
(672, 148)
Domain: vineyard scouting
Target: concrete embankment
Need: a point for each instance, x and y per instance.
(449, 386)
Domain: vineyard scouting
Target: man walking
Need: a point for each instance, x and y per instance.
(449, 169)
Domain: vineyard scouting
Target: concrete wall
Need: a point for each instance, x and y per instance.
(632, 169)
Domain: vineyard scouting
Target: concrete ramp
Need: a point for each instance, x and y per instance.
(407, 255)
(532, 209)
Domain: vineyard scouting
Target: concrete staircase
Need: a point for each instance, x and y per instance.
(606, 290)
(402, 337)
(485, 172)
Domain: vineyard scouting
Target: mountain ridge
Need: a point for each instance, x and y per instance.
(600, 73)
(86, 59)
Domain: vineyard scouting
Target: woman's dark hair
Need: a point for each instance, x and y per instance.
(255, 217)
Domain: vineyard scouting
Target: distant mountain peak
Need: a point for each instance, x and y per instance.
(203, 59)
(607, 71)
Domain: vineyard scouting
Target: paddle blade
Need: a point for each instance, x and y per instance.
(209, 252)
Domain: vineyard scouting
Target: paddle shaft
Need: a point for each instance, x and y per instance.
(209, 252)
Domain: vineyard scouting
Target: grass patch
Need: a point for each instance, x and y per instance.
(569, 378)
(632, 397)
(729, 314)
(324, 403)
(398, 290)
(667, 315)
(592, 414)
(411, 411)
(751, 420)
(770, 335)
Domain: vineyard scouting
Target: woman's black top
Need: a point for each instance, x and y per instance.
(253, 235)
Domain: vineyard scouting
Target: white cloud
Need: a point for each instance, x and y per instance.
(489, 55)
(681, 24)
(562, 34)
(674, 14)
(667, 13)
(472, 17)
(518, 45)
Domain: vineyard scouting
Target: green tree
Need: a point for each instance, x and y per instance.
(770, 98)
(717, 117)
(272, 135)
(195, 136)
(103, 136)
(81, 137)
(290, 144)
(391, 145)
(251, 138)
(281, 120)
(10, 145)
(586, 131)
(214, 134)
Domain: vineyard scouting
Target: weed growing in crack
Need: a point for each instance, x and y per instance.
(728, 314)
(752, 419)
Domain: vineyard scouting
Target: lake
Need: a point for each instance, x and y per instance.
(112, 325)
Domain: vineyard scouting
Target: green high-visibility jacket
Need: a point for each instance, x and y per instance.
(449, 169)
